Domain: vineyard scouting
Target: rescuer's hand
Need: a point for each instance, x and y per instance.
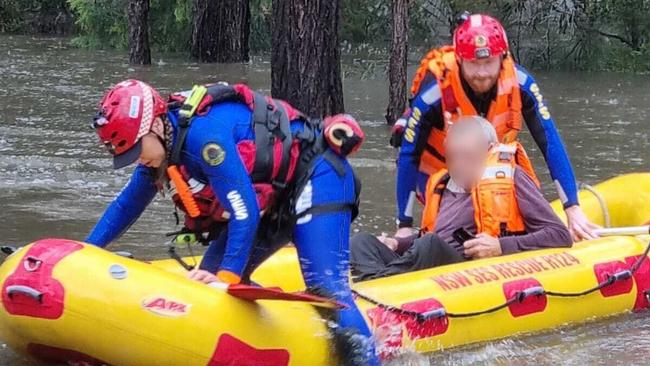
(579, 225)
(203, 276)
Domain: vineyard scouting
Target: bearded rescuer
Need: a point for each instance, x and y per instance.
(476, 76)
(251, 171)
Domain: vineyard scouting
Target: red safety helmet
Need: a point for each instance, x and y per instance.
(125, 114)
(480, 36)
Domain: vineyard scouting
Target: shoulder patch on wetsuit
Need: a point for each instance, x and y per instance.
(522, 77)
(432, 94)
(213, 154)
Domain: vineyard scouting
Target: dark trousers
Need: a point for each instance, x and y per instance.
(370, 258)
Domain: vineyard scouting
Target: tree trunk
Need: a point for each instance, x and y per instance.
(221, 30)
(306, 58)
(398, 61)
(138, 14)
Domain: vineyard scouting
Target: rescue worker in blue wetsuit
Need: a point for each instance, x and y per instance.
(476, 76)
(249, 171)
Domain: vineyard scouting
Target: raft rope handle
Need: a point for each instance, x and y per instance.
(441, 312)
(182, 237)
(601, 202)
(173, 255)
(519, 296)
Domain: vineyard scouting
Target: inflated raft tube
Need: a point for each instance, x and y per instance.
(67, 301)
(499, 297)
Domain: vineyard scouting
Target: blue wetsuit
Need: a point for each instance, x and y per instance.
(535, 113)
(321, 239)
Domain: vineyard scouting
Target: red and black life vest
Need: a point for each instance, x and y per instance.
(273, 156)
(210, 208)
(277, 161)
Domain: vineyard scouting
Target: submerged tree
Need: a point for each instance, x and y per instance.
(138, 18)
(221, 30)
(398, 61)
(305, 56)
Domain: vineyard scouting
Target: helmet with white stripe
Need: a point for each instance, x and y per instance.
(125, 114)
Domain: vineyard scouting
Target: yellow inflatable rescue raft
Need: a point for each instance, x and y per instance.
(68, 301)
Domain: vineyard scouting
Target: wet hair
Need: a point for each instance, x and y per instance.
(474, 124)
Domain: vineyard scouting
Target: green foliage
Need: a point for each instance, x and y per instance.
(171, 31)
(623, 60)
(31, 16)
(10, 16)
(369, 22)
(576, 34)
(423, 27)
(629, 19)
(103, 23)
(260, 33)
(365, 21)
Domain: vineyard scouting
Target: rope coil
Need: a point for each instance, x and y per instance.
(601, 203)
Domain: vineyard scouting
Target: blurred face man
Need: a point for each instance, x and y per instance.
(466, 149)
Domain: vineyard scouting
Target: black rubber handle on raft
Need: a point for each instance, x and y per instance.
(533, 291)
(24, 290)
(8, 250)
(433, 314)
(32, 263)
(622, 275)
(172, 253)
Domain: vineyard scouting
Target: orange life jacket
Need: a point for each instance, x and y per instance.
(496, 211)
(504, 112)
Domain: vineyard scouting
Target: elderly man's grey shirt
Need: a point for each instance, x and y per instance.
(544, 229)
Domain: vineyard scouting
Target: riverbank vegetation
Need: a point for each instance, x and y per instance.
(305, 38)
(566, 34)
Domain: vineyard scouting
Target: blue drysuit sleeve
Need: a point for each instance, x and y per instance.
(126, 208)
(215, 152)
(408, 158)
(542, 128)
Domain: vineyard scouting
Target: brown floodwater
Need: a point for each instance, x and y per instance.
(55, 180)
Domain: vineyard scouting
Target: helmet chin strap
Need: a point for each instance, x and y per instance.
(167, 135)
(158, 128)
(162, 128)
